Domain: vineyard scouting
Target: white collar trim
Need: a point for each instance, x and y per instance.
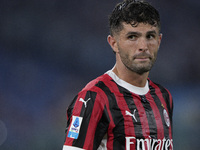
(137, 90)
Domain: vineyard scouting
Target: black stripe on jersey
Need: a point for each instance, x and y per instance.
(118, 131)
(160, 108)
(69, 112)
(86, 114)
(150, 117)
(131, 105)
(101, 129)
(71, 106)
(165, 95)
(167, 100)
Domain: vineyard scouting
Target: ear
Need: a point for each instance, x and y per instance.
(160, 38)
(113, 43)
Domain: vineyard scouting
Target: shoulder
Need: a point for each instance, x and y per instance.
(97, 83)
(95, 88)
(159, 87)
(163, 92)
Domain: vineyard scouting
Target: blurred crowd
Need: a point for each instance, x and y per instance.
(50, 49)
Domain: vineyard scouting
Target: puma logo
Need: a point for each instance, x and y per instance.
(84, 102)
(132, 115)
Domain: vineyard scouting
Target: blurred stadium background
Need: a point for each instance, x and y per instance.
(50, 49)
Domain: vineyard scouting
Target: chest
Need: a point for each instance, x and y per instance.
(139, 116)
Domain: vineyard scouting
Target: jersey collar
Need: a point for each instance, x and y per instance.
(134, 89)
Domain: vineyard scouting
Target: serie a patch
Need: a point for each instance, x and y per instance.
(75, 127)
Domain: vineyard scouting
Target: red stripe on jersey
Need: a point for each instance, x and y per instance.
(156, 112)
(159, 94)
(111, 125)
(123, 107)
(110, 138)
(76, 112)
(95, 117)
(100, 101)
(104, 101)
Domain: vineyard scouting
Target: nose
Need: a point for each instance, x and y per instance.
(143, 44)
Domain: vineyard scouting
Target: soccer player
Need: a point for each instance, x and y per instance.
(123, 109)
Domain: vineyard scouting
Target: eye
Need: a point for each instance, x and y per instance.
(151, 36)
(132, 37)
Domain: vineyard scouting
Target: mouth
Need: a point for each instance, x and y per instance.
(143, 57)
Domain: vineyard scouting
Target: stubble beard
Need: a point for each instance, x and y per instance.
(138, 67)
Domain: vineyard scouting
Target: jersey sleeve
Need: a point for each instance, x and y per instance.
(87, 121)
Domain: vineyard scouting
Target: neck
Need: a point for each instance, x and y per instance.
(131, 77)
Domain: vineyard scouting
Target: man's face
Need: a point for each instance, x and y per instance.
(137, 47)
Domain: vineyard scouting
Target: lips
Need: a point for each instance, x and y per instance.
(142, 56)
(142, 59)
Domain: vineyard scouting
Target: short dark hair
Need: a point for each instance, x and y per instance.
(133, 12)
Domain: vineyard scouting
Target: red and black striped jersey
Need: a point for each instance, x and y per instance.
(111, 114)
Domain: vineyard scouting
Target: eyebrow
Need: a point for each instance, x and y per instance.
(152, 32)
(138, 33)
(133, 33)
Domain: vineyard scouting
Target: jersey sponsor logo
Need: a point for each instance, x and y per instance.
(166, 117)
(132, 115)
(149, 144)
(75, 127)
(84, 102)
